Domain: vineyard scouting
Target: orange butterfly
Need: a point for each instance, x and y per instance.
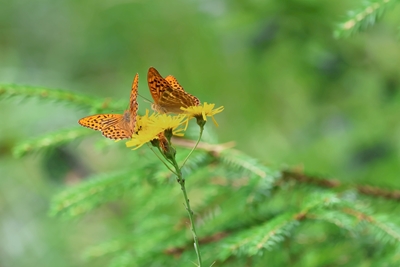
(168, 94)
(116, 126)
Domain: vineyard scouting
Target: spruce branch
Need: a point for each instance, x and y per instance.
(90, 194)
(334, 217)
(233, 158)
(363, 17)
(318, 206)
(368, 190)
(384, 228)
(110, 247)
(105, 249)
(177, 251)
(95, 104)
(213, 149)
(198, 160)
(125, 259)
(265, 236)
(49, 141)
(241, 161)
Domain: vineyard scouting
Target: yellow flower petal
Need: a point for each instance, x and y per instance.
(150, 126)
(165, 121)
(142, 137)
(203, 111)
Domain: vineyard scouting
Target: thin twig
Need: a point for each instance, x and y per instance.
(368, 190)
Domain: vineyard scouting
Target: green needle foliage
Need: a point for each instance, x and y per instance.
(93, 103)
(364, 17)
(246, 213)
(49, 141)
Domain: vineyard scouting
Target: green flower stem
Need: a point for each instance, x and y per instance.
(195, 146)
(166, 165)
(181, 181)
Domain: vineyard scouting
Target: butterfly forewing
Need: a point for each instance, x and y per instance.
(157, 84)
(168, 94)
(116, 126)
(96, 122)
(133, 105)
(173, 83)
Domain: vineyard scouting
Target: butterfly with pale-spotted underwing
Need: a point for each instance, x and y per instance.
(116, 126)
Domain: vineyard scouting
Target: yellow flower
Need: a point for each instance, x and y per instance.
(142, 137)
(165, 122)
(149, 128)
(203, 111)
(142, 122)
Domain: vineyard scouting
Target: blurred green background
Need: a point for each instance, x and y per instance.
(293, 96)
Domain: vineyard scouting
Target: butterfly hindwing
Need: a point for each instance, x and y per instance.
(179, 92)
(115, 132)
(173, 100)
(168, 94)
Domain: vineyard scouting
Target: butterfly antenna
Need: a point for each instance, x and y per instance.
(146, 99)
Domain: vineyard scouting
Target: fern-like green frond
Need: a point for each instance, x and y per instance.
(110, 247)
(90, 194)
(380, 226)
(125, 259)
(96, 105)
(364, 17)
(240, 161)
(50, 140)
(198, 160)
(334, 217)
(265, 236)
(262, 178)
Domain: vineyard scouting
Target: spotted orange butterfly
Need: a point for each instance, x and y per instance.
(116, 126)
(168, 94)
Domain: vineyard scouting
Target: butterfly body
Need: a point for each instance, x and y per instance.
(116, 126)
(168, 95)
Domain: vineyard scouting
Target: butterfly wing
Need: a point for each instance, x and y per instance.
(168, 94)
(133, 104)
(172, 100)
(173, 82)
(157, 84)
(111, 126)
(118, 131)
(95, 122)
(116, 126)
(190, 99)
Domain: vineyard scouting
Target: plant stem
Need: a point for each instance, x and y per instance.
(195, 146)
(166, 165)
(181, 181)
